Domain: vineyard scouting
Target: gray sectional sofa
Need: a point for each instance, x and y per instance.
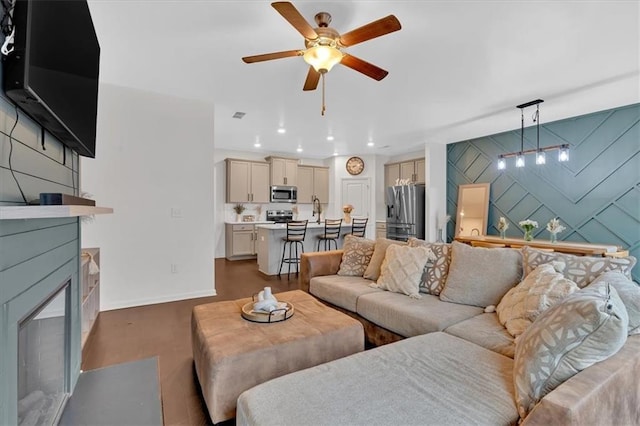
(442, 362)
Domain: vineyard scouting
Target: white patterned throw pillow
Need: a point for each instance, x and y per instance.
(402, 269)
(540, 290)
(580, 269)
(587, 327)
(629, 292)
(356, 255)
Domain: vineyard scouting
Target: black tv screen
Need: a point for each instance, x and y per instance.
(52, 74)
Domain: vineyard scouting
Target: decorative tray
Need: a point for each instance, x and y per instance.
(277, 315)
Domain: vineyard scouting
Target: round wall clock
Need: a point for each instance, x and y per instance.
(355, 165)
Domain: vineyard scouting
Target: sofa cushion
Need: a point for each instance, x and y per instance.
(340, 291)
(435, 272)
(541, 289)
(411, 317)
(629, 292)
(485, 330)
(589, 326)
(356, 255)
(434, 379)
(373, 269)
(580, 269)
(480, 276)
(402, 269)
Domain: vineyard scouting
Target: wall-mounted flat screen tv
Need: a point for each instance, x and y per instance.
(52, 74)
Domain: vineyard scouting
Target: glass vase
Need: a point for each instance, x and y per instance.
(440, 238)
(347, 217)
(503, 234)
(554, 238)
(528, 234)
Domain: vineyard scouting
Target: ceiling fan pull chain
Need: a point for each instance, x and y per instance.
(323, 106)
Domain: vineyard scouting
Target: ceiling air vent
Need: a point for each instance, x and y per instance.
(239, 115)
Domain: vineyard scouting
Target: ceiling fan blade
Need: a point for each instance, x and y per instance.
(364, 67)
(313, 77)
(291, 14)
(373, 29)
(270, 56)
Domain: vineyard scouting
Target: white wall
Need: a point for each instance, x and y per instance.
(436, 186)
(154, 154)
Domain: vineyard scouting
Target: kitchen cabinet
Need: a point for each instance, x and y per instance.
(313, 182)
(284, 171)
(240, 241)
(247, 181)
(411, 169)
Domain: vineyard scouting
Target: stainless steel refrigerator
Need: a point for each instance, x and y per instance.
(405, 211)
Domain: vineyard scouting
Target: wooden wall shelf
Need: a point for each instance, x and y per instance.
(561, 246)
(43, 212)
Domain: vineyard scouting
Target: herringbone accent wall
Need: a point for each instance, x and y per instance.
(596, 195)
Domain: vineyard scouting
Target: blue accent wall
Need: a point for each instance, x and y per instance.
(596, 194)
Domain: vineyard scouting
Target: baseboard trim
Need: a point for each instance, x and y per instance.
(154, 300)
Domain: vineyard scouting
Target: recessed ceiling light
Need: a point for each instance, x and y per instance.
(282, 130)
(330, 138)
(257, 144)
(299, 149)
(370, 144)
(335, 153)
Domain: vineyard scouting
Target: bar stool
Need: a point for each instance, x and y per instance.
(359, 226)
(331, 233)
(296, 231)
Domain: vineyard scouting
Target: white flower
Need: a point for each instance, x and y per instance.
(554, 226)
(528, 224)
(503, 225)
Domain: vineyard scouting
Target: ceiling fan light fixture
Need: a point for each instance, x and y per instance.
(322, 58)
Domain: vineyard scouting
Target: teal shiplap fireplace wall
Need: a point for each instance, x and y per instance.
(596, 195)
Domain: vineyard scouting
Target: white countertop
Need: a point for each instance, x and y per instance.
(255, 222)
(310, 225)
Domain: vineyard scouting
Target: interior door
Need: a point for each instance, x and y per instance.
(357, 193)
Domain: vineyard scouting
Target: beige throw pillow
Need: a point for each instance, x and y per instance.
(587, 327)
(540, 290)
(629, 292)
(580, 269)
(435, 273)
(402, 269)
(357, 252)
(480, 276)
(373, 269)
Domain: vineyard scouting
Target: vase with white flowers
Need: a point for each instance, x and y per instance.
(503, 225)
(346, 210)
(442, 223)
(555, 227)
(528, 226)
(238, 208)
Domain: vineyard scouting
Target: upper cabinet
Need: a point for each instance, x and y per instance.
(313, 182)
(284, 171)
(411, 169)
(247, 181)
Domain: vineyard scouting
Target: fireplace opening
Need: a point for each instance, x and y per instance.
(43, 359)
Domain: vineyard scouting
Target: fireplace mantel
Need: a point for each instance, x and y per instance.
(43, 212)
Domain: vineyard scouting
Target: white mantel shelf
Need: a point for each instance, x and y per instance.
(43, 212)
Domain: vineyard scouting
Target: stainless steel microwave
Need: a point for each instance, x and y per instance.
(284, 194)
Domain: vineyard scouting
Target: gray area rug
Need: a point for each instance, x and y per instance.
(122, 394)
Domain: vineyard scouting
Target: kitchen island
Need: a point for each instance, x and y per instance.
(270, 242)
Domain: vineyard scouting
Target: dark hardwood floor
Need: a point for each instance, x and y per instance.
(163, 330)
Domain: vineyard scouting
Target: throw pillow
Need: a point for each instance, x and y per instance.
(373, 270)
(357, 252)
(402, 269)
(435, 273)
(629, 292)
(480, 276)
(587, 327)
(540, 290)
(580, 269)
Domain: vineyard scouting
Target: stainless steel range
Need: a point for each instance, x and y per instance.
(279, 216)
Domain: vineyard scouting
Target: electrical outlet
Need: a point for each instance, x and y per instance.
(174, 268)
(176, 212)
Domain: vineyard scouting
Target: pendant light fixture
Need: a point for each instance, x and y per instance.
(541, 158)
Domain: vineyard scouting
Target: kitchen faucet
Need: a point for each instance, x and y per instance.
(317, 207)
(475, 229)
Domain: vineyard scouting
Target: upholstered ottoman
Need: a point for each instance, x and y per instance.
(232, 354)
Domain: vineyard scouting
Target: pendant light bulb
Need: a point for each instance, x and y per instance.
(563, 154)
(502, 164)
(541, 158)
(520, 160)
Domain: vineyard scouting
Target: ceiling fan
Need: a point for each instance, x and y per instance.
(324, 45)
